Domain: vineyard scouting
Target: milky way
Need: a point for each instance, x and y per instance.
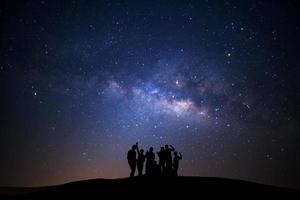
(83, 81)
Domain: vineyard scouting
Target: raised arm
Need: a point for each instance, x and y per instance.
(137, 148)
(172, 148)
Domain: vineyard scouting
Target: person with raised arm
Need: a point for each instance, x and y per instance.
(140, 160)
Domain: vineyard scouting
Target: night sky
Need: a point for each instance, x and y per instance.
(81, 81)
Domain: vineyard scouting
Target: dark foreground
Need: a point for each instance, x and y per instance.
(145, 187)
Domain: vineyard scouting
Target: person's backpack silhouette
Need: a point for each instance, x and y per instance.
(131, 157)
(176, 162)
(140, 160)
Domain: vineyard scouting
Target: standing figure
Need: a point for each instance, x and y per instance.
(162, 159)
(176, 162)
(131, 157)
(168, 154)
(150, 156)
(140, 160)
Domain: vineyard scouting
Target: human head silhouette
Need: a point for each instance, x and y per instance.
(166, 146)
(175, 153)
(151, 149)
(162, 148)
(142, 151)
(133, 147)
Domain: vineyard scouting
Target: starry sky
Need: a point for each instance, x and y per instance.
(81, 81)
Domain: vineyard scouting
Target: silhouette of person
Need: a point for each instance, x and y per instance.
(162, 159)
(176, 162)
(150, 156)
(140, 160)
(131, 157)
(168, 154)
(156, 169)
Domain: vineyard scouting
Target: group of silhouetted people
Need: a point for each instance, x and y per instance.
(166, 165)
